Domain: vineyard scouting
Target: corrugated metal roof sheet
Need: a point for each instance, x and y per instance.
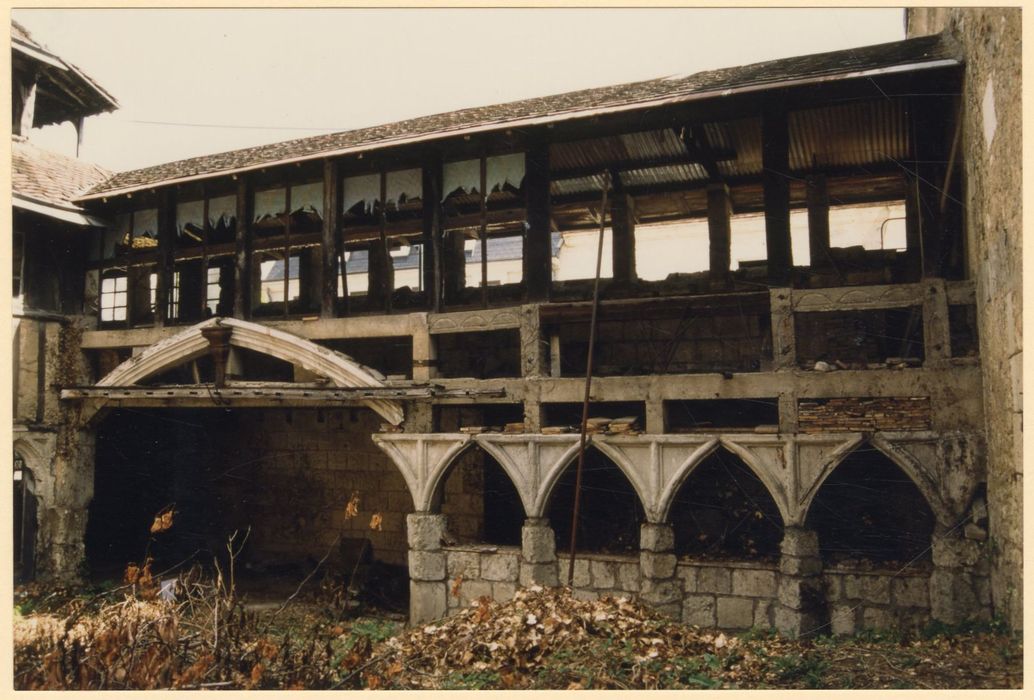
(863, 133)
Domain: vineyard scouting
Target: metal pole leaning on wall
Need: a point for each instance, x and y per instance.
(588, 383)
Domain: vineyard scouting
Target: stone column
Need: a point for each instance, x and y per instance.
(538, 553)
(659, 587)
(959, 583)
(61, 549)
(427, 574)
(801, 608)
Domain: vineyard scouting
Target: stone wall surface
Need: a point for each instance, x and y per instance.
(299, 469)
(731, 595)
(990, 40)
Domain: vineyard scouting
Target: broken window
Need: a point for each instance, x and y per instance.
(383, 258)
(287, 223)
(609, 510)
(867, 508)
(723, 510)
(128, 249)
(483, 209)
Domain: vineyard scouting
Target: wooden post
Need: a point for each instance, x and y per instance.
(166, 236)
(930, 150)
(454, 267)
(330, 249)
(818, 219)
(719, 230)
(622, 230)
(432, 231)
(913, 239)
(483, 231)
(538, 252)
(775, 158)
(381, 272)
(242, 252)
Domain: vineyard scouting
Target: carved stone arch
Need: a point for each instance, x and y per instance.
(924, 476)
(667, 495)
(551, 474)
(436, 477)
(421, 459)
(522, 479)
(38, 464)
(190, 344)
(771, 480)
(828, 454)
(908, 465)
(638, 481)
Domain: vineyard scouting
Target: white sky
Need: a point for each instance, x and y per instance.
(258, 75)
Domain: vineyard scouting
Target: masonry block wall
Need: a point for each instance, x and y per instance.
(298, 470)
(728, 595)
(992, 127)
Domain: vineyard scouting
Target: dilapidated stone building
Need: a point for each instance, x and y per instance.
(794, 434)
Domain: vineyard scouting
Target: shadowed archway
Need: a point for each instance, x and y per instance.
(723, 510)
(868, 508)
(610, 511)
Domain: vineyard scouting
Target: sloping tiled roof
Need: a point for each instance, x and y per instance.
(60, 79)
(553, 108)
(49, 177)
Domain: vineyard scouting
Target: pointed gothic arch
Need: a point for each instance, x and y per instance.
(868, 505)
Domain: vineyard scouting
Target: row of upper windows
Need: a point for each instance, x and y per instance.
(299, 206)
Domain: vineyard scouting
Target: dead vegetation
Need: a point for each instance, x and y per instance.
(129, 638)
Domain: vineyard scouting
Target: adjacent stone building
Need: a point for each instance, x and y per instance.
(989, 143)
(797, 436)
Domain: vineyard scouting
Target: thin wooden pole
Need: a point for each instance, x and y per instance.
(588, 384)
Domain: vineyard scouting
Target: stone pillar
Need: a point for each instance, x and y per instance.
(959, 588)
(428, 587)
(801, 608)
(538, 553)
(659, 587)
(60, 543)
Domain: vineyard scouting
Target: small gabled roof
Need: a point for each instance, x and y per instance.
(921, 52)
(64, 92)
